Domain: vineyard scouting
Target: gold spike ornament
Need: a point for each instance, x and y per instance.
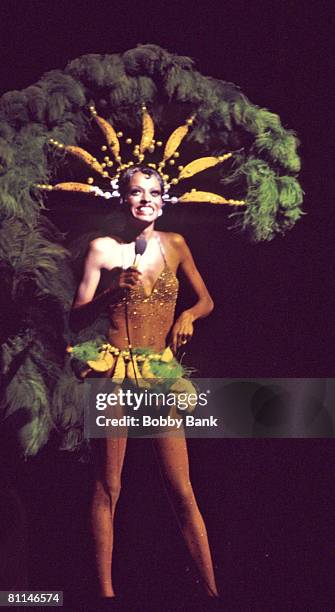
(120, 370)
(134, 374)
(85, 157)
(148, 131)
(103, 363)
(69, 186)
(206, 196)
(198, 165)
(167, 355)
(108, 132)
(175, 139)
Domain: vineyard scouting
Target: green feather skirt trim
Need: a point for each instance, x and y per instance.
(143, 367)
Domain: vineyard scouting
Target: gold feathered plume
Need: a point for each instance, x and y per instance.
(175, 139)
(148, 131)
(198, 165)
(86, 158)
(80, 154)
(206, 196)
(70, 186)
(109, 133)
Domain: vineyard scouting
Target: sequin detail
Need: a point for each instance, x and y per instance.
(150, 316)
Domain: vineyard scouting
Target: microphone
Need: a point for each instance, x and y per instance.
(140, 246)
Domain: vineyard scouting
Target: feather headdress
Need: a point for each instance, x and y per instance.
(259, 157)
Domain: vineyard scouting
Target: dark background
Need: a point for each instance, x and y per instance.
(267, 502)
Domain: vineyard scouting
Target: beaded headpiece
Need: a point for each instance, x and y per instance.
(112, 166)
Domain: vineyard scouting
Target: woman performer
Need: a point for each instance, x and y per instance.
(151, 292)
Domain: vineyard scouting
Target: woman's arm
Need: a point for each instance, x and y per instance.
(86, 308)
(182, 330)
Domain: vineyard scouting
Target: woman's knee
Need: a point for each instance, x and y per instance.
(109, 490)
(184, 496)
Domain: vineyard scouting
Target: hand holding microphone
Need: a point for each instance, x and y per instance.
(132, 276)
(129, 278)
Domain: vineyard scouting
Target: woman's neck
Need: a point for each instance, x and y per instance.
(133, 231)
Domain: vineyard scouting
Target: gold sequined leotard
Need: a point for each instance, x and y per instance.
(150, 317)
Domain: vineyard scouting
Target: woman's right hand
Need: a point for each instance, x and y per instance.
(125, 279)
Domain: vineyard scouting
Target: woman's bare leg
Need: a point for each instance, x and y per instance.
(110, 457)
(173, 459)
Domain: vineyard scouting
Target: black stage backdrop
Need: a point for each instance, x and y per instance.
(267, 503)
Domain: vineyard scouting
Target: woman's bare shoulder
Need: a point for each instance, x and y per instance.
(103, 244)
(172, 238)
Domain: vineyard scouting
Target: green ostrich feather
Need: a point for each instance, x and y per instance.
(87, 350)
(170, 370)
(29, 394)
(273, 201)
(290, 195)
(69, 399)
(283, 148)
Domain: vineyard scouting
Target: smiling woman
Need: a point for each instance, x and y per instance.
(141, 302)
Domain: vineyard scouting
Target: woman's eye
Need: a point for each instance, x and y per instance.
(156, 193)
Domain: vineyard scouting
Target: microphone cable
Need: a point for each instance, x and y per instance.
(130, 348)
(140, 246)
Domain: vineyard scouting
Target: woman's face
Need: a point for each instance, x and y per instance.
(144, 197)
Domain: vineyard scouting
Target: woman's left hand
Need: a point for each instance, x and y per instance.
(182, 330)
